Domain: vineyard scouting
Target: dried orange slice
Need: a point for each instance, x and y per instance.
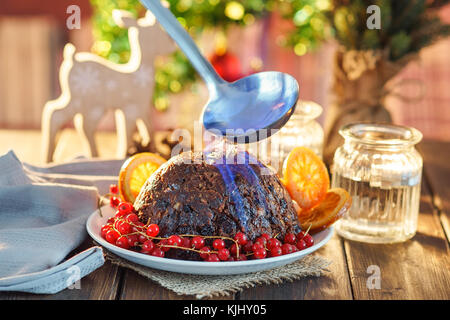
(305, 176)
(135, 171)
(336, 203)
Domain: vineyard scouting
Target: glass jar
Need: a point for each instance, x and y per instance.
(381, 169)
(302, 129)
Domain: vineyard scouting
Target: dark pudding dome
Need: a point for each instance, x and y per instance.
(200, 193)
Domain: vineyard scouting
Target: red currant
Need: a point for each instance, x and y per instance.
(174, 240)
(234, 249)
(213, 258)
(260, 253)
(218, 244)
(223, 254)
(148, 246)
(198, 242)
(152, 230)
(142, 238)
(273, 243)
(248, 246)
(257, 246)
(308, 240)
(125, 207)
(111, 236)
(301, 244)
(186, 243)
(132, 218)
(300, 235)
(140, 224)
(133, 240)
(105, 228)
(110, 220)
(114, 189)
(276, 251)
(290, 238)
(157, 252)
(119, 214)
(205, 252)
(123, 227)
(241, 258)
(114, 201)
(241, 238)
(163, 245)
(266, 236)
(122, 242)
(261, 240)
(286, 248)
(136, 229)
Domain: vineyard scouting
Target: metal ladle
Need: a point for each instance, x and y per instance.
(247, 110)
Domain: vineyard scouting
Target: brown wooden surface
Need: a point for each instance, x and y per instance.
(416, 269)
(437, 172)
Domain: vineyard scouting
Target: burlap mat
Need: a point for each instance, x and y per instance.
(202, 286)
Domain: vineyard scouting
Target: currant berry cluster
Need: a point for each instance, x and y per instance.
(125, 230)
(114, 199)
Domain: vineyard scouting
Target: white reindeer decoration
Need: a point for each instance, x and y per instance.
(92, 85)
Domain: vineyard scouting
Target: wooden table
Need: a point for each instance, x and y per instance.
(416, 269)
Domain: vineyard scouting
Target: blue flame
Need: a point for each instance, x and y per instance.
(230, 165)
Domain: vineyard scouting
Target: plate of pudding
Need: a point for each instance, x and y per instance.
(215, 214)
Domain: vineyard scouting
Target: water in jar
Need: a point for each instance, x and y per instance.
(381, 169)
(379, 213)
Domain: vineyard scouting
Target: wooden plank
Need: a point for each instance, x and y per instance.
(137, 287)
(416, 269)
(436, 156)
(3, 90)
(26, 69)
(40, 83)
(26, 144)
(335, 284)
(11, 74)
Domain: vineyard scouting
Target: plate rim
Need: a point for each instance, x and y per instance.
(192, 264)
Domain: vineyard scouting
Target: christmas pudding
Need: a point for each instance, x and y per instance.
(197, 193)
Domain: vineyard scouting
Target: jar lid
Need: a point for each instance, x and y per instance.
(308, 110)
(387, 135)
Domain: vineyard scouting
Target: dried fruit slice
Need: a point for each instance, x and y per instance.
(306, 178)
(135, 171)
(336, 203)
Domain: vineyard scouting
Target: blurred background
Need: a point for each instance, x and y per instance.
(239, 37)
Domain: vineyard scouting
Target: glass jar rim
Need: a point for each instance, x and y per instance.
(307, 110)
(381, 134)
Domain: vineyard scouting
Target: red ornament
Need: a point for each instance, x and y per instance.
(227, 65)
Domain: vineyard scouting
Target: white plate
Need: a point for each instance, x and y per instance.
(95, 222)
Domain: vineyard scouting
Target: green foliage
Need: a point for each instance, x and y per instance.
(406, 25)
(111, 40)
(400, 44)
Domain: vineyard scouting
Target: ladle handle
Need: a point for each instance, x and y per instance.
(184, 41)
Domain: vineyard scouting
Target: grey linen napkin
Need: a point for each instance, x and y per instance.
(43, 212)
